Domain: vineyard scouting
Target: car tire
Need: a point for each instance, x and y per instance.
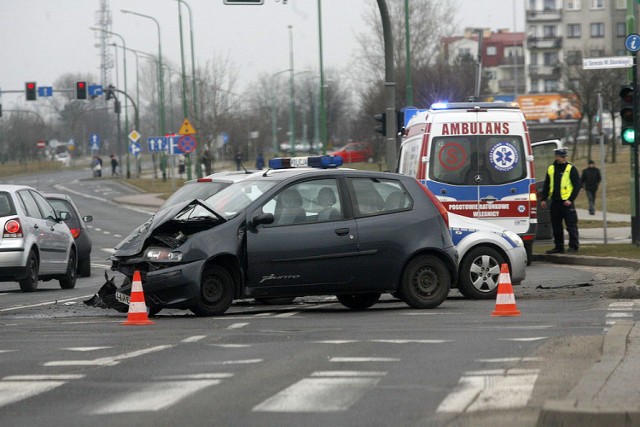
(275, 301)
(84, 268)
(68, 281)
(425, 282)
(30, 282)
(216, 292)
(480, 272)
(359, 301)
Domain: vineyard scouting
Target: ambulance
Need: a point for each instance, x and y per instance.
(476, 157)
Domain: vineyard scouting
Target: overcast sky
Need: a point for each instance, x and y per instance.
(40, 40)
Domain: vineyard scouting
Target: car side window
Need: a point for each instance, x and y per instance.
(47, 211)
(379, 196)
(30, 205)
(306, 202)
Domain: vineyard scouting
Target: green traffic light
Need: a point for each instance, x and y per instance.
(628, 136)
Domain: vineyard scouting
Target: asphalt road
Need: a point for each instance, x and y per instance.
(313, 362)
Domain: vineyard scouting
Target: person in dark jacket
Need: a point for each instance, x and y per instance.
(590, 180)
(562, 185)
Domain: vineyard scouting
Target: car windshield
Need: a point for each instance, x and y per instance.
(195, 190)
(233, 199)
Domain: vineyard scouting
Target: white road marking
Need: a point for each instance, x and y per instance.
(60, 377)
(237, 325)
(15, 391)
(363, 359)
(619, 315)
(108, 250)
(194, 338)
(336, 341)
(102, 199)
(236, 362)
(107, 361)
(97, 229)
(231, 345)
(7, 351)
(484, 390)
(348, 374)
(209, 376)
(525, 339)
(106, 232)
(511, 359)
(290, 314)
(60, 301)
(411, 341)
(155, 397)
(623, 305)
(117, 235)
(84, 348)
(318, 395)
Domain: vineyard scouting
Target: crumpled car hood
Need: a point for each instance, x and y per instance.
(134, 242)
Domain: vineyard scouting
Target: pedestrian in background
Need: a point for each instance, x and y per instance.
(114, 165)
(561, 186)
(181, 165)
(260, 162)
(590, 180)
(238, 159)
(206, 160)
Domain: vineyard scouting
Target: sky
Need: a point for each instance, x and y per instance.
(40, 40)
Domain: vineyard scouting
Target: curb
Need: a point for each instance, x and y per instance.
(588, 260)
(583, 406)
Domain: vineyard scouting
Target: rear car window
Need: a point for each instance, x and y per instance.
(6, 204)
(62, 206)
(378, 196)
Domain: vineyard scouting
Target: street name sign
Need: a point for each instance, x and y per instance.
(607, 62)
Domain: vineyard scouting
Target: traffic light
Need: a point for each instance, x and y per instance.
(382, 127)
(81, 90)
(30, 91)
(627, 131)
(109, 92)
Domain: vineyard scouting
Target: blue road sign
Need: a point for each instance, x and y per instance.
(134, 148)
(94, 141)
(95, 90)
(173, 145)
(157, 143)
(632, 42)
(45, 91)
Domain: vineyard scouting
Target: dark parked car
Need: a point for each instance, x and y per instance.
(295, 232)
(78, 228)
(35, 243)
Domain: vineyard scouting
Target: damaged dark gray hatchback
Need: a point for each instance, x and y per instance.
(295, 232)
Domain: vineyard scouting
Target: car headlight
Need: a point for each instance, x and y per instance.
(162, 255)
(513, 237)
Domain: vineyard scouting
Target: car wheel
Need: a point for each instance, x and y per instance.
(479, 273)
(84, 268)
(425, 282)
(30, 283)
(216, 292)
(359, 301)
(68, 281)
(276, 301)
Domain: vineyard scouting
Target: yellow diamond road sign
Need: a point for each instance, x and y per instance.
(186, 128)
(134, 136)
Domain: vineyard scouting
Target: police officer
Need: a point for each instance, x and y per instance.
(562, 185)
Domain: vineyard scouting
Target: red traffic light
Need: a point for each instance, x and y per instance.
(30, 91)
(31, 85)
(81, 90)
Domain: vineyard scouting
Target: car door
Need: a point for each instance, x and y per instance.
(312, 252)
(543, 156)
(37, 226)
(59, 234)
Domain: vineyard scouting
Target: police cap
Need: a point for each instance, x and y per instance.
(562, 152)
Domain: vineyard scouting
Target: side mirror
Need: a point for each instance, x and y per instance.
(263, 218)
(87, 218)
(63, 216)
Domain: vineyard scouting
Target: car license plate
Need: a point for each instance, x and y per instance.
(123, 298)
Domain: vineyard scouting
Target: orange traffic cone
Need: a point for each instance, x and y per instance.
(137, 308)
(505, 300)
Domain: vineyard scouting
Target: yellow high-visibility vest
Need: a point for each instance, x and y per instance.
(566, 187)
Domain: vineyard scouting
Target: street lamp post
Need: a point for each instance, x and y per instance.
(184, 87)
(323, 112)
(126, 104)
(292, 137)
(274, 129)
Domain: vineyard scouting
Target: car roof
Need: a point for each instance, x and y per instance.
(284, 174)
(14, 187)
(225, 176)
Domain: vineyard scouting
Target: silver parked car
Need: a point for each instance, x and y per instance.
(35, 243)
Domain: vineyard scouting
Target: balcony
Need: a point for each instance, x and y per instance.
(508, 85)
(512, 61)
(546, 15)
(544, 42)
(542, 71)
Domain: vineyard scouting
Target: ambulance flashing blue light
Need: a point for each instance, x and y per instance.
(322, 162)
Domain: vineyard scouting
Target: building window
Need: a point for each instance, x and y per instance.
(464, 51)
(597, 4)
(550, 86)
(621, 4)
(597, 30)
(621, 29)
(574, 57)
(532, 4)
(534, 86)
(574, 31)
(550, 58)
(621, 52)
(549, 4)
(596, 53)
(549, 31)
(573, 4)
(491, 51)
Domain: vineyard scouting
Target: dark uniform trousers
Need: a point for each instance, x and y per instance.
(560, 212)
